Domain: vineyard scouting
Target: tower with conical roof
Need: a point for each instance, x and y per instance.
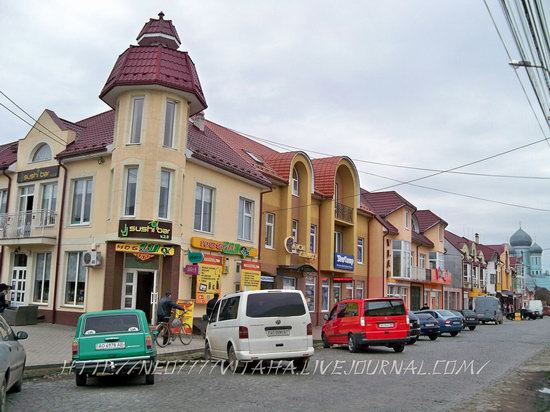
(522, 245)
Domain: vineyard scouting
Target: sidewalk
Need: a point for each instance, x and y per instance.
(50, 344)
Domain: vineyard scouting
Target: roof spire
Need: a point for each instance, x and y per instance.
(159, 32)
(161, 15)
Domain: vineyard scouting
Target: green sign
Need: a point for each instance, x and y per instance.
(195, 257)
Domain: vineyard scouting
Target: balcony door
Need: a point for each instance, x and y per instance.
(26, 201)
(48, 204)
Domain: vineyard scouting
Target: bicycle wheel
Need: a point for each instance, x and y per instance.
(163, 335)
(185, 333)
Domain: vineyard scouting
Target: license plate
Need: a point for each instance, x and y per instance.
(278, 332)
(471, 319)
(429, 324)
(385, 325)
(110, 345)
(457, 323)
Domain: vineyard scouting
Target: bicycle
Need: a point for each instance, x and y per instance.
(167, 331)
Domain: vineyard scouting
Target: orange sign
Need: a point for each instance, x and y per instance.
(208, 280)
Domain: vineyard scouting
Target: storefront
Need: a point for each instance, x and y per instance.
(452, 298)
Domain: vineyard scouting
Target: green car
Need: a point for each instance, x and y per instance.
(114, 342)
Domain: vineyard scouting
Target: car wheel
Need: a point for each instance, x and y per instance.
(3, 395)
(412, 341)
(207, 352)
(326, 345)
(453, 333)
(150, 378)
(80, 379)
(352, 344)
(433, 337)
(19, 384)
(234, 365)
(399, 348)
(300, 364)
(471, 327)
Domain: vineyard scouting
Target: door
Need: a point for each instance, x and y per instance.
(19, 279)
(339, 333)
(26, 201)
(139, 292)
(145, 283)
(415, 298)
(212, 332)
(329, 325)
(129, 290)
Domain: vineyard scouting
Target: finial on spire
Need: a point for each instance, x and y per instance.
(161, 15)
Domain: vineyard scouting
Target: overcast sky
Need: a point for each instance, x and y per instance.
(417, 83)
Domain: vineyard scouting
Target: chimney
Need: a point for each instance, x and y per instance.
(477, 238)
(198, 121)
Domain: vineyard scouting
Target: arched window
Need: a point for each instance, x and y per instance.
(42, 152)
(295, 183)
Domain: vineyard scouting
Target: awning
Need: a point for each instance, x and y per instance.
(506, 293)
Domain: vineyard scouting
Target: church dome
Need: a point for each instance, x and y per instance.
(520, 238)
(535, 249)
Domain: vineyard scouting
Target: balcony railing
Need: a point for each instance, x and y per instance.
(421, 274)
(24, 225)
(343, 213)
(441, 276)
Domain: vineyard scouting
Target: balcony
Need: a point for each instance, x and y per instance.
(343, 213)
(442, 277)
(38, 227)
(420, 274)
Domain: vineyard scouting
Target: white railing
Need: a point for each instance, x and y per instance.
(38, 223)
(420, 274)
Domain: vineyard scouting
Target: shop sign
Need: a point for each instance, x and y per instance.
(147, 248)
(251, 276)
(144, 256)
(297, 249)
(195, 257)
(268, 279)
(150, 229)
(342, 280)
(189, 307)
(208, 279)
(38, 174)
(344, 262)
(192, 270)
(228, 248)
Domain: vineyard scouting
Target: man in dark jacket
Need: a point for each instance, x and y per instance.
(210, 305)
(166, 305)
(3, 291)
(425, 307)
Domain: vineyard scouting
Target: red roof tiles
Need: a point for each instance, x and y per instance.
(427, 219)
(93, 135)
(156, 26)
(457, 241)
(498, 248)
(421, 239)
(8, 155)
(385, 203)
(325, 174)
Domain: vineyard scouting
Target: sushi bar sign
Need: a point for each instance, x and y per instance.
(145, 229)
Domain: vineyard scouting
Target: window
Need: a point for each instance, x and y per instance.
(384, 308)
(269, 230)
(137, 118)
(164, 194)
(169, 121)
(131, 188)
(338, 246)
(82, 201)
(246, 212)
(359, 289)
(42, 153)
(42, 277)
(360, 246)
(294, 230)
(3, 201)
(289, 283)
(111, 324)
(75, 282)
(257, 159)
(310, 293)
(204, 197)
(267, 305)
(437, 260)
(325, 287)
(336, 292)
(229, 309)
(313, 238)
(407, 219)
(295, 183)
(422, 261)
(441, 233)
(401, 258)
(49, 203)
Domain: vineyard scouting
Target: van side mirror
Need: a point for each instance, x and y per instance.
(21, 335)
(325, 316)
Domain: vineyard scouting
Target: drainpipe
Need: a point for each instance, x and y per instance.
(319, 276)
(7, 205)
(261, 214)
(384, 264)
(59, 236)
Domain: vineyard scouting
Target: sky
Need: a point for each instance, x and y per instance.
(418, 83)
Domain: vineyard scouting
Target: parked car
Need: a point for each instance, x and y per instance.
(360, 323)
(12, 361)
(532, 309)
(461, 316)
(448, 321)
(487, 309)
(113, 341)
(429, 326)
(414, 332)
(470, 319)
(546, 310)
(260, 325)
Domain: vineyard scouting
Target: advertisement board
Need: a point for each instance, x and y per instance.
(208, 279)
(251, 276)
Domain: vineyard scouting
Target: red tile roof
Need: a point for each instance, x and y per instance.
(488, 252)
(8, 155)
(498, 248)
(385, 203)
(421, 239)
(93, 135)
(159, 25)
(156, 65)
(457, 241)
(427, 219)
(325, 174)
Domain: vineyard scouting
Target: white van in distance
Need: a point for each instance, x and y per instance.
(260, 325)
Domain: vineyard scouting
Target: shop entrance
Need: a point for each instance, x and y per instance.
(415, 298)
(140, 291)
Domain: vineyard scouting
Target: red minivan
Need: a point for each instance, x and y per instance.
(360, 323)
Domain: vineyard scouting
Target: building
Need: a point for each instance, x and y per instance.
(522, 246)
(106, 212)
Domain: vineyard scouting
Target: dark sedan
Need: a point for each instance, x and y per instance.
(470, 319)
(428, 325)
(414, 332)
(448, 321)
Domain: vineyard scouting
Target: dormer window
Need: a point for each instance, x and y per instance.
(42, 152)
(295, 183)
(254, 157)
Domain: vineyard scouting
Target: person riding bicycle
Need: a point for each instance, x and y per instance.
(166, 305)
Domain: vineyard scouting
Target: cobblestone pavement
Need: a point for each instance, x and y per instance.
(442, 375)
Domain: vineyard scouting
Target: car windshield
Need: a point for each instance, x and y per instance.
(384, 308)
(280, 304)
(468, 313)
(446, 313)
(111, 324)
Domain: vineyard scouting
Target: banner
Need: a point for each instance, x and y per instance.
(149, 248)
(208, 280)
(227, 248)
(189, 306)
(251, 276)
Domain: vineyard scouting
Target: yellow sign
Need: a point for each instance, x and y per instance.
(227, 248)
(150, 248)
(189, 306)
(251, 276)
(208, 280)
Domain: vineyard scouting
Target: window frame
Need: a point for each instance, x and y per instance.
(172, 144)
(168, 197)
(74, 304)
(360, 250)
(44, 269)
(4, 200)
(325, 286)
(295, 182)
(269, 235)
(37, 149)
(313, 238)
(294, 229)
(88, 180)
(132, 119)
(407, 219)
(126, 182)
(338, 241)
(212, 204)
(241, 219)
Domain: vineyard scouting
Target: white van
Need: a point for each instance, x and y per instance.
(260, 325)
(533, 309)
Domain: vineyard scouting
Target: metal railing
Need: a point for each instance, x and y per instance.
(421, 274)
(38, 223)
(343, 212)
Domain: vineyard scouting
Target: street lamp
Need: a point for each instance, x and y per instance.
(525, 63)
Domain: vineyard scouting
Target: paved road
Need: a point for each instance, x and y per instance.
(426, 379)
